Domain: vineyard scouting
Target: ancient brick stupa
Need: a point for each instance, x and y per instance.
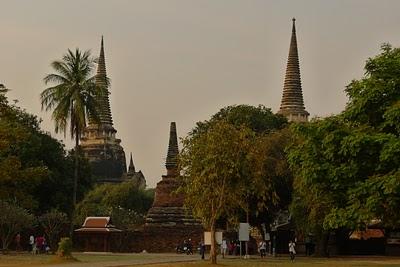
(292, 104)
(99, 143)
(167, 222)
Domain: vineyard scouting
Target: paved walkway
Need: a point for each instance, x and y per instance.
(141, 259)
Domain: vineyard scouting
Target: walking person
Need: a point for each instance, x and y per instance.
(224, 248)
(292, 250)
(31, 242)
(18, 242)
(262, 247)
(202, 249)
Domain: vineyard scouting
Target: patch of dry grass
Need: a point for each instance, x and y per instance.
(299, 262)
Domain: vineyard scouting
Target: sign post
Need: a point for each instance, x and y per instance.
(244, 230)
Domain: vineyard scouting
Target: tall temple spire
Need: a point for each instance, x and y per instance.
(101, 79)
(131, 167)
(99, 142)
(292, 104)
(171, 162)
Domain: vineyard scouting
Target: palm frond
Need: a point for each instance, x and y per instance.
(74, 94)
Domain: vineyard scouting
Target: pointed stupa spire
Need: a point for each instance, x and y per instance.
(131, 168)
(171, 162)
(101, 79)
(292, 104)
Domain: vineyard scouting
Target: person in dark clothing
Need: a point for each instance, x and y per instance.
(202, 249)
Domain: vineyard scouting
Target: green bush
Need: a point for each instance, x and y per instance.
(65, 247)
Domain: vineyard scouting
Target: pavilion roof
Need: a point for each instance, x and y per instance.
(98, 224)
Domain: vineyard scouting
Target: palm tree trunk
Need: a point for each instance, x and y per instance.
(75, 188)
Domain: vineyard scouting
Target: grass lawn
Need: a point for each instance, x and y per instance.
(134, 260)
(27, 259)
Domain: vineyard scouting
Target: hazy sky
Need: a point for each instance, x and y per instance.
(183, 60)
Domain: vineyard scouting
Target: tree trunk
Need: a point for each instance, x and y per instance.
(75, 188)
(213, 250)
(322, 245)
(6, 240)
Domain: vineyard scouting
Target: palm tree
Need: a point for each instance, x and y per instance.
(73, 98)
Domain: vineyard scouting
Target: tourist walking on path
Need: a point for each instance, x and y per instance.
(18, 242)
(224, 248)
(202, 249)
(292, 250)
(262, 246)
(31, 242)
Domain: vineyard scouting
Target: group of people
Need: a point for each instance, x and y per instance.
(233, 248)
(38, 244)
(262, 248)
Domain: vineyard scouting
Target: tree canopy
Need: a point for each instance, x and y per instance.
(347, 166)
(13, 219)
(35, 170)
(229, 164)
(125, 203)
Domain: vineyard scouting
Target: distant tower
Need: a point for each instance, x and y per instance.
(99, 144)
(292, 104)
(136, 177)
(168, 214)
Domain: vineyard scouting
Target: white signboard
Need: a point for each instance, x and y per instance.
(244, 232)
(207, 238)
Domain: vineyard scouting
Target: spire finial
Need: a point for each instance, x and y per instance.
(131, 167)
(172, 162)
(294, 25)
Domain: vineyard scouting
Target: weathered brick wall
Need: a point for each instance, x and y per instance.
(166, 239)
(165, 196)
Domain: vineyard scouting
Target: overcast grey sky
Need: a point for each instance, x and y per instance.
(183, 60)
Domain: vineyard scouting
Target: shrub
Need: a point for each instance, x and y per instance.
(65, 248)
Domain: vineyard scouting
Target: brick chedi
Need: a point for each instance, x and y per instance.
(168, 223)
(99, 143)
(292, 104)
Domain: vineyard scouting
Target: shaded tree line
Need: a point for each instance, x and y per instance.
(335, 174)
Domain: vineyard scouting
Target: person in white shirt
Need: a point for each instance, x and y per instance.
(31, 241)
(292, 250)
(224, 247)
(262, 246)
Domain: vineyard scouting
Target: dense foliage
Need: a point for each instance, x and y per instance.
(53, 224)
(232, 163)
(347, 166)
(35, 171)
(13, 219)
(125, 203)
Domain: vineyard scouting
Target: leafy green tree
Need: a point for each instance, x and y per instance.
(53, 224)
(125, 203)
(73, 98)
(13, 219)
(18, 179)
(273, 137)
(35, 170)
(347, 166)
(259, 119)
(220, 166)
